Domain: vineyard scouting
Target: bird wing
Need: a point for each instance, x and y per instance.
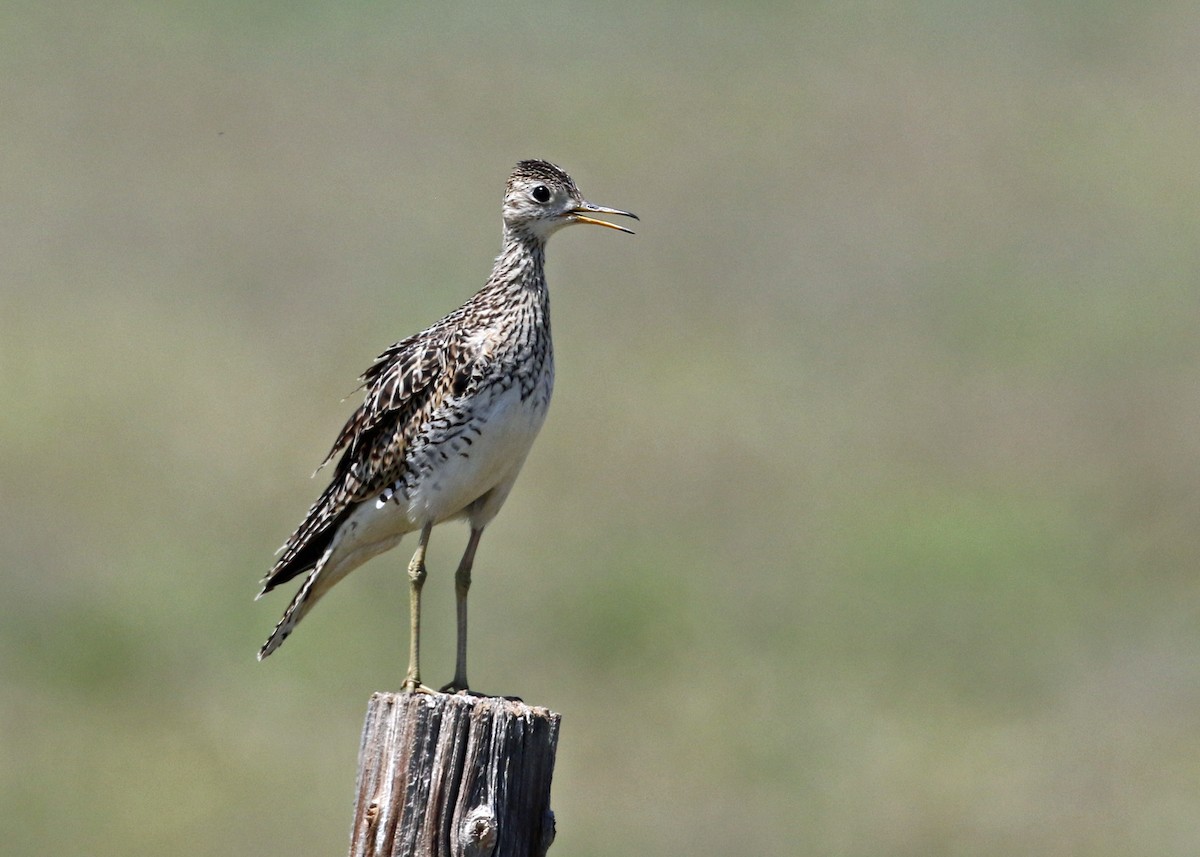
(395, 379)
(400, 388)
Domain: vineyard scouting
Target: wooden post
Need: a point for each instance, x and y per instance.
(443, 775)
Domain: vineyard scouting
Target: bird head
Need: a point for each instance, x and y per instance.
(541, 198)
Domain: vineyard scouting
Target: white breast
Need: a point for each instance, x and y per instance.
(483, 460)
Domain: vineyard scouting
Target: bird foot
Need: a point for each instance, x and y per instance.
(456, 688)
(415, 686)
(466, 691)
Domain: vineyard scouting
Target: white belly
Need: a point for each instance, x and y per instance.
(458, 477)
(461, 472)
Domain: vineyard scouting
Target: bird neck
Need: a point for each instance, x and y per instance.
(517, 300)
(521, 263)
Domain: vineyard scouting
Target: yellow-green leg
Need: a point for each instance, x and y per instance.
(416, 579)
(462, 583)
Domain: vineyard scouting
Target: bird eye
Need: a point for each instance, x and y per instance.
(541, 193)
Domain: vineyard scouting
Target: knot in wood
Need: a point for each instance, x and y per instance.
(478, 832)
(548, 831)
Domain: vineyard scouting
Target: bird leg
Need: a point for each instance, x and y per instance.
(416, 579)
(462, 583)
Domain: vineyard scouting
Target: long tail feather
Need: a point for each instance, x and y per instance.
(306, 596)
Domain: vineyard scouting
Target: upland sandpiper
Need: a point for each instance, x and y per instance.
(447, 420)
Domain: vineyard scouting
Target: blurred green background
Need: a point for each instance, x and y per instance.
(865, 520)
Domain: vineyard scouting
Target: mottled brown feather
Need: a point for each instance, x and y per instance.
(397, 387)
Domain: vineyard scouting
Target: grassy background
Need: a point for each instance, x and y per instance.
(864, 521)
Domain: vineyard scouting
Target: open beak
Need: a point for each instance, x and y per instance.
(580, 212)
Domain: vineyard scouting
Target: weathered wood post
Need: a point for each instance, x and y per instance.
(443, 775)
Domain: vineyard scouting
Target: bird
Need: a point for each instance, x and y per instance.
(447, 419)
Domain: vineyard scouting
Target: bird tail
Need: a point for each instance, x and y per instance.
(318, 582)
(327, 572)
(300, 605)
